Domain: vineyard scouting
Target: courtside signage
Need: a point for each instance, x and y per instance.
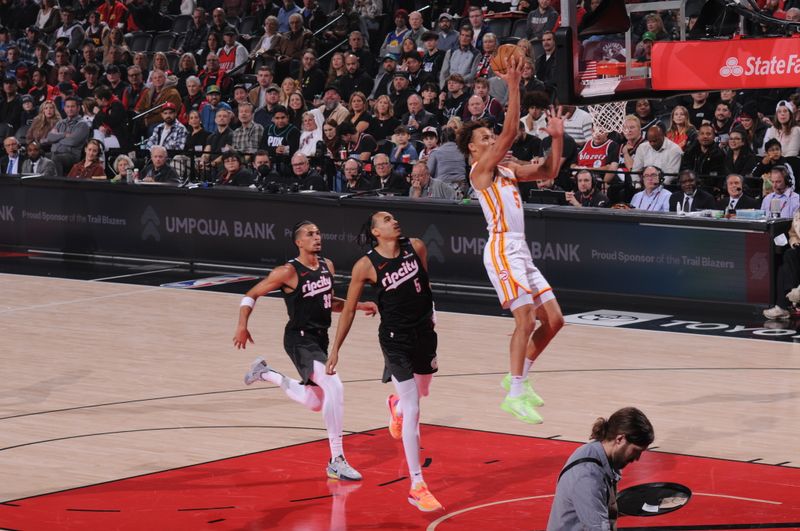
(734, 64)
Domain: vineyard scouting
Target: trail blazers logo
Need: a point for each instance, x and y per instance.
(434, 241)
(150, 225)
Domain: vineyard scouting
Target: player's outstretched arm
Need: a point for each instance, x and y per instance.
(549, 169)
(369, 308)
(280, 276)
(483, 173)
(361, 274)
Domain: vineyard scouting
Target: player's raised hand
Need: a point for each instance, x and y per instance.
(241, 337)
(555, 122)
(513, 73)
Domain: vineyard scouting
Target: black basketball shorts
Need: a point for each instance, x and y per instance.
(408, 351)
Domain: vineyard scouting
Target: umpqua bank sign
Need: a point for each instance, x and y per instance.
(731, 64)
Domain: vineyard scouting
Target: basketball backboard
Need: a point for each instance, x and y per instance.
(699, 47)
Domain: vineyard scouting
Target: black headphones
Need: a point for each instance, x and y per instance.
(596, 181)
(786, 175)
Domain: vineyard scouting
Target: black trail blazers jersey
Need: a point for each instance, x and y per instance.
(404, 293)
(309, 305)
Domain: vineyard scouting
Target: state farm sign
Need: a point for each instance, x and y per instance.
(734, 64)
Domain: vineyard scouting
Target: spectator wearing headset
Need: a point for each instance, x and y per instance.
(654, 197)
(588, 192)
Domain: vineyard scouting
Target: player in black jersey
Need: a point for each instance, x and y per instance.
(307, 286)
(398, 268)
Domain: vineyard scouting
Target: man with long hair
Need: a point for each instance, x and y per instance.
(586, 491)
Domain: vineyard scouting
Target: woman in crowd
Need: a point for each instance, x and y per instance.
(159, 63)
(333, 142)
(49, 18)
(359, 113)
(288, 86)
(297, 108)
(44, 122)
(754, 129)
(198, 137)
(309, 136)
(213, 45)
(121, 166)
(784, 129)
(115, 37)
(383, 123)
(187, 66)
(91, 166)
(270, 37)
(336, 69)
(681, 131)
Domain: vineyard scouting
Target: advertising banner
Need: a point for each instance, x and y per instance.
(598, 254)
(731, 64)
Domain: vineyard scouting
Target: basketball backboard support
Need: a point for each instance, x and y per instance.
(603, 63)
(600, 54)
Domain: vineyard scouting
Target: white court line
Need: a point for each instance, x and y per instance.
(737, 498)
(74, 301)
(441, 519)
(134, 274)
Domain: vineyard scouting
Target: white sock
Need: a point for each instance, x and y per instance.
(526, 368)
(516, 386)
(332, 407)
(409, 398)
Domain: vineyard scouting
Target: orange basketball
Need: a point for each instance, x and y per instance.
(502, 59)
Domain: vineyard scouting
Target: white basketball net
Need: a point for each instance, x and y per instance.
(608, 117)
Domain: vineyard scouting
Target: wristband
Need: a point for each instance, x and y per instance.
(248, 301)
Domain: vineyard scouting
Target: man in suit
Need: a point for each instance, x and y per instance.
(36, 163)
(11, 163)
(386, 178)
(417, 118)
(736, 198)
(690, 198)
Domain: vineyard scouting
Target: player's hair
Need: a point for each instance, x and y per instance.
(464, 136)
(366, 239)
(299, 225)
(627, 421)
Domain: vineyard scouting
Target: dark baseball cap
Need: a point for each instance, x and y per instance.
(213, 89)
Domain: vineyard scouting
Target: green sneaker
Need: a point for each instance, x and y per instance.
(521, 408)
(527, 391)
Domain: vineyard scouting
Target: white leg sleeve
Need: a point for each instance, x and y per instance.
(409, 401)
(332, 406)
(308, 395)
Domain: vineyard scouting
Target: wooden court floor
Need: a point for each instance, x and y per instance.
(103, 381)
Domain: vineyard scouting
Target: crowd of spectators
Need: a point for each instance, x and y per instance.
(282, 96)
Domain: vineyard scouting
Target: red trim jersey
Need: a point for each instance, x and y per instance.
(592, 156)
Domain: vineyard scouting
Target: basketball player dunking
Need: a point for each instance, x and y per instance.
(398, 267)
(518, 283)
(307, 286)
